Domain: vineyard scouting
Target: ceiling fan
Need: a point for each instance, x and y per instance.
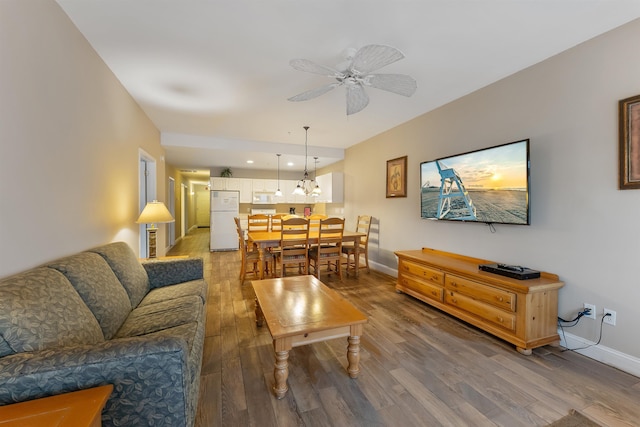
(355, 74)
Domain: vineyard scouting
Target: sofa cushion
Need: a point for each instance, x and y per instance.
(194, 287)
(98, 287)
(39, 309)
(162, 315)
(127, 268)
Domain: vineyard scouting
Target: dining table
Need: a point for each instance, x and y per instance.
(263, 240)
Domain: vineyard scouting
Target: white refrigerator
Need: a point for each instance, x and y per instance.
(224, 208)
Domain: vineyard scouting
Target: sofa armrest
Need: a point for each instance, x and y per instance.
(170, 272)
(150, 377)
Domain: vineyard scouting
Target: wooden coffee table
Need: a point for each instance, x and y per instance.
(301, 310)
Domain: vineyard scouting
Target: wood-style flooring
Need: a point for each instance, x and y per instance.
(419, 366)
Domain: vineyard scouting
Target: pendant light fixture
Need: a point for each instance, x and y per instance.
(305, 185)
(316, 190)
(278, 192)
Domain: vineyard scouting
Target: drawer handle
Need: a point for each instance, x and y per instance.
(434, 277)
(500, 299)
(500, 319)
(434, 293)
(454, 284)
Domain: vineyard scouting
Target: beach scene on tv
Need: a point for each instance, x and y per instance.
(489, 186)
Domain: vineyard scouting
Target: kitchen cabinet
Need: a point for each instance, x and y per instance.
(522, 312)
(218, 183)
(332, 187)
(265, 185)
(243, 185)
(246, 190)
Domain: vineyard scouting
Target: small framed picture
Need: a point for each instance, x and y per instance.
(397, 177)
(629, 117)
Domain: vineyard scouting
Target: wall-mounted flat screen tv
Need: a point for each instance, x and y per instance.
(488, 186)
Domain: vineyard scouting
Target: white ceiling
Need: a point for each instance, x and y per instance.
(214, 75)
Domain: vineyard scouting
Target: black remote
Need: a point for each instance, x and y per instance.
(511, 267)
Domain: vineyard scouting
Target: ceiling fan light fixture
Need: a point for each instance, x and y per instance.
(357, 74)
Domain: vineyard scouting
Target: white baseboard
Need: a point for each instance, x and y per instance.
(382, 268)
(601, 353)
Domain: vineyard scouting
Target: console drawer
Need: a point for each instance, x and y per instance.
(426, 289)
(480, 309)
(421, 271)
(497, 297)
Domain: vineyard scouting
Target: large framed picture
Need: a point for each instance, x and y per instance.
(629, 117)
(397, 177)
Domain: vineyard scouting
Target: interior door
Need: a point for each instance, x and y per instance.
(203, 204)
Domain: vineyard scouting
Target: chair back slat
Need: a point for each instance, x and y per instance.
(294, 244)
(258, 222)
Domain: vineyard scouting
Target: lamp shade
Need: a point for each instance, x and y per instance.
(155, 213)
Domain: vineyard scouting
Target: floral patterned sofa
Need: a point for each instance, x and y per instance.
(102, 317)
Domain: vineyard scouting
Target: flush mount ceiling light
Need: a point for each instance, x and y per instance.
(305, 185)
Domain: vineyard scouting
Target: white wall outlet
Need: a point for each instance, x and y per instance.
(592, 313)
(611, 318)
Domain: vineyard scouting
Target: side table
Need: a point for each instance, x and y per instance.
(78, 409)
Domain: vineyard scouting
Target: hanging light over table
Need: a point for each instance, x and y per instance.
(316, 190)
(278, 192)
(305, 185)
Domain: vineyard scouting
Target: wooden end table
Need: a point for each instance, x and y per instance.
(301, 310)
(76, 409)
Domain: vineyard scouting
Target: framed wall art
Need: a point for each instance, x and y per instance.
(629, 116)
(397, 177)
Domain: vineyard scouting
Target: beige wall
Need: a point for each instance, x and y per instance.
(583, 228)
(69, 142)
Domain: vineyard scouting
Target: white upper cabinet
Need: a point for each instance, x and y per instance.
(331, 184)
(246, 190)
(332, 187)
(218, 183)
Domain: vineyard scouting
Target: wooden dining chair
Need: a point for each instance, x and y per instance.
(329, 248)
(294, 245)
(276, 222)
(258, 222)
(363, 226)
(314, 222)
(251, 259)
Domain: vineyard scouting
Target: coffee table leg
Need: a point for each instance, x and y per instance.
(353, 356)
(353, 351)
(259, 314)
(281, 373)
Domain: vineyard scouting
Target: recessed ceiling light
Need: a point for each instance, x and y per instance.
(249, 161)
(289, 163)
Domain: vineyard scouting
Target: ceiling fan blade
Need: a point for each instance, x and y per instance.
(374, 56)
(396, 83)
(313, 93)
(357, 98)
(312, 67)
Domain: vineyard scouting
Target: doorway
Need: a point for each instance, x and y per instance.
(203, 203)
(183, 210)
(171, 237)
(146, 193)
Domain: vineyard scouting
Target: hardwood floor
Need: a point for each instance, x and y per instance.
(419, 366)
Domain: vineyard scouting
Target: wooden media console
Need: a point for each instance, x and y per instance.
(522, 312)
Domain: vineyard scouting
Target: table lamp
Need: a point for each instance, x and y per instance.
(154, 212)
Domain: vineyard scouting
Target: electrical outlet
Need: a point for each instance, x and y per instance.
(592, 313)
(611, 318)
